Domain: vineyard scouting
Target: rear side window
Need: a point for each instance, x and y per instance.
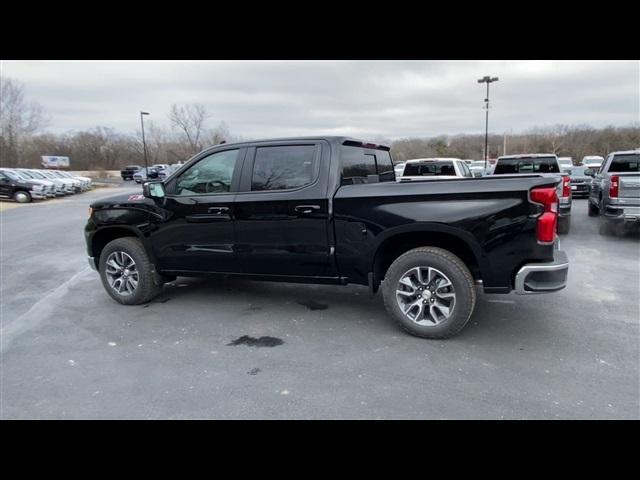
(358, 162)
(527, 165)
(625, 163)
(283, 168)
(429, 169)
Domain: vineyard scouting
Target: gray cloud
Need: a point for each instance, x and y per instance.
(391, 99)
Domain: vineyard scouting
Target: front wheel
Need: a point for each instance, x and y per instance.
(593, 210)
(22, 196)
(429, 292)
(126, 272)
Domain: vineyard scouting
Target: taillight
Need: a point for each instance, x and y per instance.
(613, 188)
(547, 222)
(566, 187)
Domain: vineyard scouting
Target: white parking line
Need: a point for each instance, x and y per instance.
(38, 312)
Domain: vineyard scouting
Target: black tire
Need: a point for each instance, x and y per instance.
(22, 196)
(454, 269)
(564, 224)
(147, 288)
(593, 210)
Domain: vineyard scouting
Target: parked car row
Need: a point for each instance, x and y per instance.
(139, 174)
(25, 184)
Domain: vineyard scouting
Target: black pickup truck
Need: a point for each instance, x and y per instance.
(127, 172)
(328, 210)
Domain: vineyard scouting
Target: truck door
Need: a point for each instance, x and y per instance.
(197, 234)
(282, 211)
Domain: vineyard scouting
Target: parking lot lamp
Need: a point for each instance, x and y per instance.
(144, 144)
(486, 79)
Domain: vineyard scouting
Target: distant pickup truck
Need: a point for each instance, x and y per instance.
(328, 210)
(545, 164)
(615, 190)
(127, 172)
(435, 168)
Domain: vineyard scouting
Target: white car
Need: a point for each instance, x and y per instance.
(435, 169)
(478, 168)
(592, 161)
(70, 185)
(565, 162)
(61, 187)
(399, 168)
(84, 181)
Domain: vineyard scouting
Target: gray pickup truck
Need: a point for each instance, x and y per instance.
(615, 191)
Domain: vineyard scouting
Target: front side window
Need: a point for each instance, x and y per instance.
(210, 175)
(283, 167)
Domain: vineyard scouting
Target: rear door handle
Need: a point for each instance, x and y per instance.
(307, 208)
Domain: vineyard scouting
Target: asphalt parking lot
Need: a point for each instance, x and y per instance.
(69, 351)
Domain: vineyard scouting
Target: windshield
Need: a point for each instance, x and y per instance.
(625, 163)
(429, 169)
(577, 171)
(36, 174)
(527, 165)
(12, 175)
(26, 174)
(593, 160)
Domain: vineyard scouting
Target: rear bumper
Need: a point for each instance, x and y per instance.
(622, 213)
(543, 277)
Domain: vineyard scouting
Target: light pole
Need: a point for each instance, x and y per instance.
(486, 79)
(144, 144)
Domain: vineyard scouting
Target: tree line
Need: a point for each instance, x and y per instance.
(23, 136)
(563, 140)
(24, 139)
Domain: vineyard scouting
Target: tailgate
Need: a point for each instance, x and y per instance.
(629, 185)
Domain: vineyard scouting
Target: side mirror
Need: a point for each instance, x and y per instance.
(153, 189)
(589, 172)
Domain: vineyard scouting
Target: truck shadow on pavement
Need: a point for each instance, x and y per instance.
(497, 318)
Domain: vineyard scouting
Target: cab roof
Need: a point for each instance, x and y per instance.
(528, 155)
(437, 159)
(342, 140)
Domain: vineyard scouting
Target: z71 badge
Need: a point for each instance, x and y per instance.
(136, 197)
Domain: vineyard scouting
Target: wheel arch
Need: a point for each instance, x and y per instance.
(105, 235)
(400, 240)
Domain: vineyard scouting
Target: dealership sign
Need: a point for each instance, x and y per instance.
(55, 162)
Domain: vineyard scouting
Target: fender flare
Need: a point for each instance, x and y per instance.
(425, 227)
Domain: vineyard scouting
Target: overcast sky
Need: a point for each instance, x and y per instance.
(390, 99)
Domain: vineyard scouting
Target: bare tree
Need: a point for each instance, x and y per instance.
(19, 120)
(189, 121)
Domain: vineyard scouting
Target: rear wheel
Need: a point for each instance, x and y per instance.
(126, 272)
(429, 292)
(22, 196)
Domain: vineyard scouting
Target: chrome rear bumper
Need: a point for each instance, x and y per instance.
(543, 277)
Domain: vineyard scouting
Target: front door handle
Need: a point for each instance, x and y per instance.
(307, 208)
(218, 210)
